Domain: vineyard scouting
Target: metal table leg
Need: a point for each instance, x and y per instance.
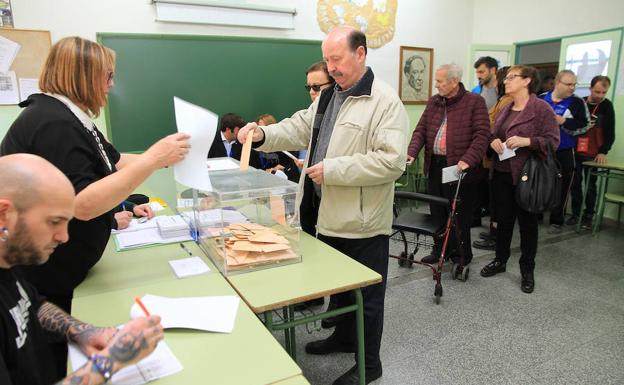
(589, 173)
(359, 321)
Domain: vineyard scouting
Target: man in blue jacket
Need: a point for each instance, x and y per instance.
(573, 118)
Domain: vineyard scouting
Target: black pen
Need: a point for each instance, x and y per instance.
(185, 249)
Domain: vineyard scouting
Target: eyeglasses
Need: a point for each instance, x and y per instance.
(316, 87)
(572, 85)
(110, 76)
(512, 77)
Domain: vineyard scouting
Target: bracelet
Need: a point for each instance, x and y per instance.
(104, 366)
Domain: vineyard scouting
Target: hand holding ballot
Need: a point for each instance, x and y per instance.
(169, 150)
(258, 134)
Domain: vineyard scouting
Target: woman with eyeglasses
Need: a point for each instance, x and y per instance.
(526, 125)
(57, 125)
(317, 79)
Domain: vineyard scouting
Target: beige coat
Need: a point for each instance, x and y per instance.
(366, 154)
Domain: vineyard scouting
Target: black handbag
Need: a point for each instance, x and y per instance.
(539, 185)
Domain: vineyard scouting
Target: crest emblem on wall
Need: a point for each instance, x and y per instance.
(376, 18)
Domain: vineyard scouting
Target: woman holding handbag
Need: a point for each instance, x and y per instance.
(526, 125)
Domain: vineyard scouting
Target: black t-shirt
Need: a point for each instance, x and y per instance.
(46, 127)
(24, 355)
(603, 116)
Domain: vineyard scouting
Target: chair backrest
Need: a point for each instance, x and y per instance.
(425, 198)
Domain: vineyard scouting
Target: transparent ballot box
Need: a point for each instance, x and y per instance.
(247, 222)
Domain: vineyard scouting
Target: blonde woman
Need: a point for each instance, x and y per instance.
(57, 125)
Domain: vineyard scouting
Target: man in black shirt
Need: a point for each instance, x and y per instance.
(36, 204)
(598, 142)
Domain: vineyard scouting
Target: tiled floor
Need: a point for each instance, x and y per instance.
(486, 331)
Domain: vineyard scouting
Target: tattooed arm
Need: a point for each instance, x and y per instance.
(90, 339)
(130, 345)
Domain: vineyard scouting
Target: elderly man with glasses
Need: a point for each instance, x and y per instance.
(573, 118)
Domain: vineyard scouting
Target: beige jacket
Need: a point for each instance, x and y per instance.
(366, 154)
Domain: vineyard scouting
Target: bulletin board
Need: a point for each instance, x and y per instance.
(35, 45)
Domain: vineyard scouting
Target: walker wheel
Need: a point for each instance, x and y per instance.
(454, 270)
(437, 292)
(464, 274)
(402, 261)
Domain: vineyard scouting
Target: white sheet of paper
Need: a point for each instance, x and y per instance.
(201, 124)
(507, 153)
(8, 51)
(187, 267)
(291, 156)
(8, 88)
(450, 174)
(161, 363)
(214, 314)
(27, 87)
(219, 164)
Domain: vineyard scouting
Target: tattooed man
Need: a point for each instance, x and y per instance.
(36, 203)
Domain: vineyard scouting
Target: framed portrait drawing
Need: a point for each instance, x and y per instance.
(415, 74)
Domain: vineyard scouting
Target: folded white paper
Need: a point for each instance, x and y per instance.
(450, 174)
(161, 363)
(507, 153)
(187, 267)
(220, 164)
(215, 314)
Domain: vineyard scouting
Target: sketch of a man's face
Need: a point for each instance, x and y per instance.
(415, 71)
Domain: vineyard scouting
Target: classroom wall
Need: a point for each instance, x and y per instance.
(418, 24)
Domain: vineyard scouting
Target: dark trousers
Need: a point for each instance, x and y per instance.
(507, 210)
(372, 253)
(566, 161)
(464, 212)
(577, 188)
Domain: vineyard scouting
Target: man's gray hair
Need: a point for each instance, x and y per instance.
(561, 73)
(453, 71)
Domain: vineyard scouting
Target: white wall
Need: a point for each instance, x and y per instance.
(511, 21)
(418, 24)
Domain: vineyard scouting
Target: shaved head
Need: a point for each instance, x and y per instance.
(25, 177)
(36, 204)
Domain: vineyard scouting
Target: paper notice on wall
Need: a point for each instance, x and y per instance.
(27, 87)
(201, 125)
(8, 51)
(8, 88)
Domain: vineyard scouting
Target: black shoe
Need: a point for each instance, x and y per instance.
(493, 268)
(586, 223)
(487, 235)
(351, 376)
(308, 304)
(528, 283)
(431, 259)
(484, 244)
(327, 346)
(572, 221)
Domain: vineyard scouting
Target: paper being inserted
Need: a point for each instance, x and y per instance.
(201, 125)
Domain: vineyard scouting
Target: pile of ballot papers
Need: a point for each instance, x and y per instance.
(172, 227)
(252, 243)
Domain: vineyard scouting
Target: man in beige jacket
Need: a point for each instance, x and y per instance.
(355, 133)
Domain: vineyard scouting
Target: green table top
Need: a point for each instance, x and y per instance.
(324, 271)
(248, 355)
(609, 166)
(297, 380)
(137, 267)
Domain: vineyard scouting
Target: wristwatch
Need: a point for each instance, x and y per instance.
(104, 366)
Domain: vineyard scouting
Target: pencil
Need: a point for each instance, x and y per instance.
(138, 301)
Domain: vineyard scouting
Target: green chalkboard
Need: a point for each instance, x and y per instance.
(247, 76)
